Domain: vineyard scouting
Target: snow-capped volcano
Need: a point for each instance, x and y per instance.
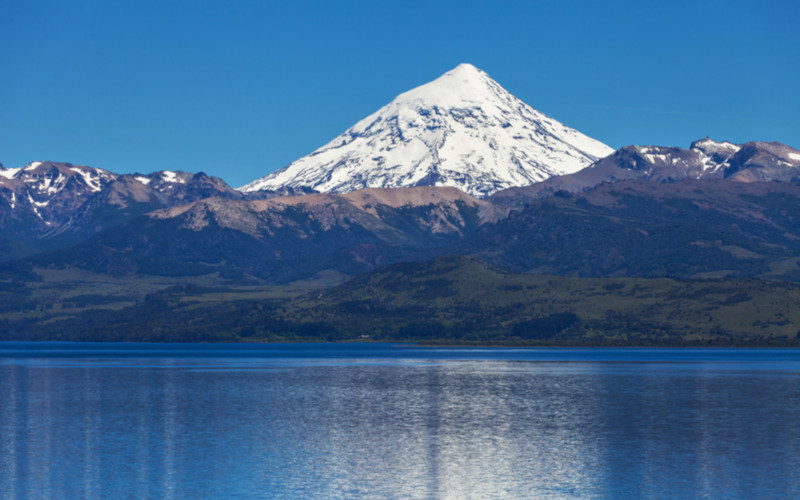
(461, 130)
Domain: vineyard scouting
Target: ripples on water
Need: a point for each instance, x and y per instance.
(321, 421)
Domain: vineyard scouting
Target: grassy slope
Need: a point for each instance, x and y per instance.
(75, 304)
(463, 298)
(449, 299)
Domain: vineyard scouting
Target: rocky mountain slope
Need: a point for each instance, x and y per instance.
(283, 239)
(47, 205)
(462, 130)
(692, 228)
(686, 229)
(705, 159)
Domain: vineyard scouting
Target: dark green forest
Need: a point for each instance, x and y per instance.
(448, 300)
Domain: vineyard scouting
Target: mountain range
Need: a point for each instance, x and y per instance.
(641, 221)
(705, 159)
(47, 205)
(456, 167)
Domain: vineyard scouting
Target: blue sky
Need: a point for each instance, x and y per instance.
(238, 89)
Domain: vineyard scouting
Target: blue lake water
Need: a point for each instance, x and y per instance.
(396, 421)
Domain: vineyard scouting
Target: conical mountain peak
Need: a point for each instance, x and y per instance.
(463, 84)
(464, 72)
(464, 68)
(462, 130)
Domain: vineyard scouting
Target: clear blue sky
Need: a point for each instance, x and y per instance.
(238, 89)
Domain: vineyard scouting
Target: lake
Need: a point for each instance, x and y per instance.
(396, 421)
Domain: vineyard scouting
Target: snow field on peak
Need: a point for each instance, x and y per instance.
(172, 177)
(90, 180)
(9, 173)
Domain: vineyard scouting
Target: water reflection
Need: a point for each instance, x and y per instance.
(203, 428)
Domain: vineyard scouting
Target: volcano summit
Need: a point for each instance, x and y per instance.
(462, 130)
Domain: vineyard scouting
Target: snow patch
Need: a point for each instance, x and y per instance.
(144, 180)
(9, 173)
(89, 179)
(52, 186)
(33, 166)
(709, 146)
(172, 177)
(793, 156)
(653, 158)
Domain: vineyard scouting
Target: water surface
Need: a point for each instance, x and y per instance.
(396, 421)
